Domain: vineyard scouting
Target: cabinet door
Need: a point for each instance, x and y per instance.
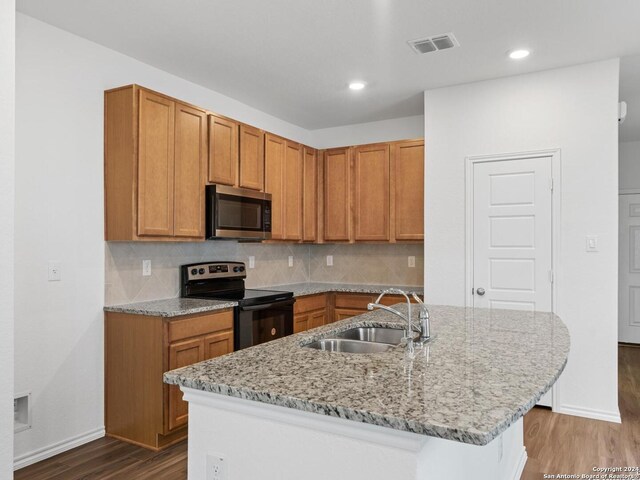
(292, 191)
(182, 354)
(337, 182)
(155, 165)
(251, 158)
(300, 323)
(317, 319)
(342, 313)
(218, 344)
(190, 162)
(310, 196)
(371, 192)
(274, 160)
(223, 151)
(407, 190)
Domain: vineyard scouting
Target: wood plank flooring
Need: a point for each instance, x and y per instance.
(555, 444)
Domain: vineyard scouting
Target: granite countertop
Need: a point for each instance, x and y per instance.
(483, 370)
(312, 288)
(171, 307)
(175, 307)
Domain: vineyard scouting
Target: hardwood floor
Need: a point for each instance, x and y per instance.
(574, 445)
(555, 444)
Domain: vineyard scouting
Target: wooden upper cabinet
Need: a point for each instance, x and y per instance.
(156, 165)
(223, 151)
(251, 158)
(337, 184)
(309, 195)
(190, 162)
(371, 192)
(292, 182)
(407, 190)
(274, 166)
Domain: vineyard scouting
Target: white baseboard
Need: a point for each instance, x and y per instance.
(40, 454)
(613, 417)
(522, 461)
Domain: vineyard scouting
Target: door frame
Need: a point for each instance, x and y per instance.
(556, 200)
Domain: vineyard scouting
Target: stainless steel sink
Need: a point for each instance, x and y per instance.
(349, 346)
(390, 336)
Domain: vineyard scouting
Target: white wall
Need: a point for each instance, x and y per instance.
(573, 109)
(7, 124)
(372, 132)
(629, 154)
(59, 205)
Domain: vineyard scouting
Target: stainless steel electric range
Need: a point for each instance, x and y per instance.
(261, 315)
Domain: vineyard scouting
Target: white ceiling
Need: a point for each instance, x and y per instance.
(294, 58)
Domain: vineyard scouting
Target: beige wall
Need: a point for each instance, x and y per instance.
(373, 264)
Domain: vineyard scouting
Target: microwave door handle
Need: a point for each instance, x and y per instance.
(264, 306)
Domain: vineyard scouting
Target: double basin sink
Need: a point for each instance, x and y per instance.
(361, 340)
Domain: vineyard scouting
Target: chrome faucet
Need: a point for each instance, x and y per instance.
(425, 324)
(423, 316)
(409, 331)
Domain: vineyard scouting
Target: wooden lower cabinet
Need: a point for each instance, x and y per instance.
(310, 312)
(349, 305)
(140, 408)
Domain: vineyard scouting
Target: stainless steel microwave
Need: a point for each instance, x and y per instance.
(237, 213)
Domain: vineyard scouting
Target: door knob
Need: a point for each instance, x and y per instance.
(480, 291)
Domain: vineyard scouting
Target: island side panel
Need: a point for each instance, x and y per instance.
(269, 442)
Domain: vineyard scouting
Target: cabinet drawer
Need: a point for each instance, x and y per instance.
(393, 299)
(350, 300)
(200, 325)
(310, 303)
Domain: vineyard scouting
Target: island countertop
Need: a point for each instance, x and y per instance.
(483, 370)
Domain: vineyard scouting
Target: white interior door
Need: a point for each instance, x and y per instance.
(629, 270)
(512, 236)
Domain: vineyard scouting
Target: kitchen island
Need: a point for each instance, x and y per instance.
(452, 409)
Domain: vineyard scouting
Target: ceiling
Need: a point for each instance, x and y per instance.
(294, 58)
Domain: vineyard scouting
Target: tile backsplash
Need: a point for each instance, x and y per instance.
(359, 263)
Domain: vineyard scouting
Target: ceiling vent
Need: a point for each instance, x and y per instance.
(434, 44)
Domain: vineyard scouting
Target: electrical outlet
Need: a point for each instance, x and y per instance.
(592, 243)
(252, 262)
(291, 260)
(216, 468)
(55, 271)
(329, 260)
(146, 268)
(412, 261)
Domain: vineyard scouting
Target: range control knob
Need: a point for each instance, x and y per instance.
(241, 269)
(194, 271)
(201, 271)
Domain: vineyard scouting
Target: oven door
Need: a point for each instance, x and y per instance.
(263, 323)
(238, 213)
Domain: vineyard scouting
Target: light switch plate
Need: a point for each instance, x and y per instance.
(252, 262)
(412, 261)
(329, 260)
(146, 268)
(55, 271)
(592, 243)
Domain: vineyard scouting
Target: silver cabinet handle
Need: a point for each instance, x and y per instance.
(480, 291)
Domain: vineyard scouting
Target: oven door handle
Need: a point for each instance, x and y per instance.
(263, 306)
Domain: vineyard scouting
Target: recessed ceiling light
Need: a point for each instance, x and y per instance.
(357, 85)
(518, 54)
